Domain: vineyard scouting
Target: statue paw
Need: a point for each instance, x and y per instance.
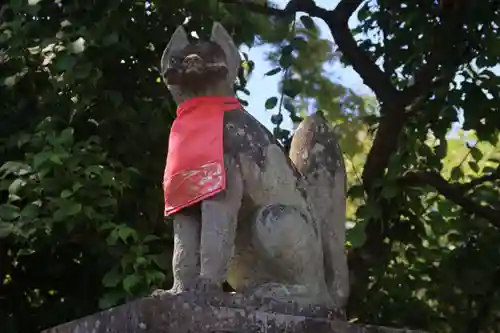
(202, 284)
(158, 292)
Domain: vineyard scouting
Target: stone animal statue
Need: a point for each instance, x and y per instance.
(277, 229)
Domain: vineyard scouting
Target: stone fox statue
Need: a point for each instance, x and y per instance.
(271, 225)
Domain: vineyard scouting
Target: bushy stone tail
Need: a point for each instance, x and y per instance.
(316, 153)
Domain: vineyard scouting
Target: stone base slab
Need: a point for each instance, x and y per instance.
(213, 313)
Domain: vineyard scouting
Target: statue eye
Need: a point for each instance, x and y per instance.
(175, 60)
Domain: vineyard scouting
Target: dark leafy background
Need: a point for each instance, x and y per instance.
(85, 121)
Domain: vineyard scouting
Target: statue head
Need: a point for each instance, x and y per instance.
(197, 68)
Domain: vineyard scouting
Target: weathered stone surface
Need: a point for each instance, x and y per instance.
(209, 313)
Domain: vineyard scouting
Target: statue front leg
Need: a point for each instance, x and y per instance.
(186, 256)
(218, 231)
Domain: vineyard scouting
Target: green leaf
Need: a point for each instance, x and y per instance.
(356, 191)
(271, 102)
(288, 105)
(94, 170)
(488, 170)
(363, 13)
(474, 166)
(150, 238)
(65, 62)
(110, 39)
(130, 282)
(442, 149)
(66, 136)
(15, 168)
(456, 174)
(277, 119)
(56, 158)
(308, 22)
(160, 261)
(141, 261)
(425, 150)
(273, 71)
(16, 185)
(112, 238)
(124, 232)
(292, 87)
(76, 187)
(107, 202)
(112, 278)
(155, 277)
(476, 154)
(286, 58)
(356, 236)
(281, 134)
(299, 43)
(110, 299)
(40, 158)
(30, 211)
(8, 212)
(369, 211)
(66, 194)
(67, 209)
(6, 229)
(389, 191)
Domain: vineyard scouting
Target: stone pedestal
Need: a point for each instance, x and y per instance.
(213, 313)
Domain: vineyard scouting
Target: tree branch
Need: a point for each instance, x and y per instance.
(454, 193)
(410, 99)
(495, 175)
(336, 20)
(371, 74)
(258, 8)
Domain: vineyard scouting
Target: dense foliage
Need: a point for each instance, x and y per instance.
(84, 127)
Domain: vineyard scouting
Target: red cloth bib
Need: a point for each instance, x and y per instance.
(195, 159)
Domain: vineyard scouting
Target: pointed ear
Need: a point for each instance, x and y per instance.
(221, 37)
(178, 41)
